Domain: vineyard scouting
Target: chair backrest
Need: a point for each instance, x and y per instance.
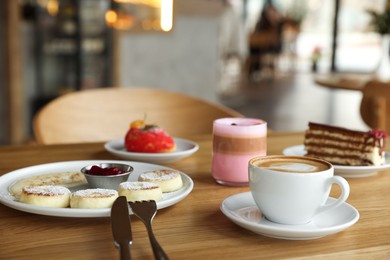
(375, 105)
(105, 114)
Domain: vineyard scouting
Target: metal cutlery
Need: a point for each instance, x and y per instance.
(121, 227)
(145, 211)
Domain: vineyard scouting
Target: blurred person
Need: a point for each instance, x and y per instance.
(270, 26)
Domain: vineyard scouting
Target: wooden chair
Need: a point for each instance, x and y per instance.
(375, 105)
(105, 114)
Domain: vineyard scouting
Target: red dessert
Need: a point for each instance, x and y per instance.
(143, 138)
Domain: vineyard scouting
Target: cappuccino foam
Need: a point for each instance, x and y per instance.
(292, 165)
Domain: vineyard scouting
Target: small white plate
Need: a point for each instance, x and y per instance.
(345, 171)
(242, 210)
(184, 148)
(10, 178)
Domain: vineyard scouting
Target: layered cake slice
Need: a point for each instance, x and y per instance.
(343, 146)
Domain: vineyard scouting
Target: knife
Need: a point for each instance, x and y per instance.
(121, 227)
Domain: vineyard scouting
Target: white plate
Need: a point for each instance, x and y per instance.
(345, 171)
(184, 148)
(8, 179)
(242, 210)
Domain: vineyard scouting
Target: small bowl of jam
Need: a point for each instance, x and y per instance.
(106, 175)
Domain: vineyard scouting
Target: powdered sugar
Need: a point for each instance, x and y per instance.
(138, 185)
(95, 193)
(159, 175)
(48, 190)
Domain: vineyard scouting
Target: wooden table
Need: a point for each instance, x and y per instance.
(194, 228)
(343, 81)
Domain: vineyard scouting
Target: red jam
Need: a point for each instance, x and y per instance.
(378, 134)
(96, 170)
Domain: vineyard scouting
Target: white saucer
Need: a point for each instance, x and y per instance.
(345, 171)
(242, 210)
(184, 148)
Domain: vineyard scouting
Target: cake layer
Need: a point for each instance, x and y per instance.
(93, 198)
(342, 146)
(46, 196)
(168, 180)
(138, 191)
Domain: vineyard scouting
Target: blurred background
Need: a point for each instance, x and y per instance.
(259, 57)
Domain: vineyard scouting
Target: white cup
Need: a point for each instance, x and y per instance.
(292, 190)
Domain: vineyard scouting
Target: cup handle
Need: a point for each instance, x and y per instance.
(341, 199)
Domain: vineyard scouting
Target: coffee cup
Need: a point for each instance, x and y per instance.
(292, 190)
(235, 142)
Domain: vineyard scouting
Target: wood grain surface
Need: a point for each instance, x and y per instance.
(341, 81)
(194, 228)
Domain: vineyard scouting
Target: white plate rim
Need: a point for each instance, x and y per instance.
(9, 178)
(180, 153)
(290, 232)
(342, 170)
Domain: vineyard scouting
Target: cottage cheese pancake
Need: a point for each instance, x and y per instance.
(46, 196)
(66, 179)
(169, 180)
(138, 191)
(93, 198)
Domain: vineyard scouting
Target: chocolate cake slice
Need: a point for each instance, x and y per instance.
(341, 146)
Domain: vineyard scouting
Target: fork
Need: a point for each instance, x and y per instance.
(145, 211)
